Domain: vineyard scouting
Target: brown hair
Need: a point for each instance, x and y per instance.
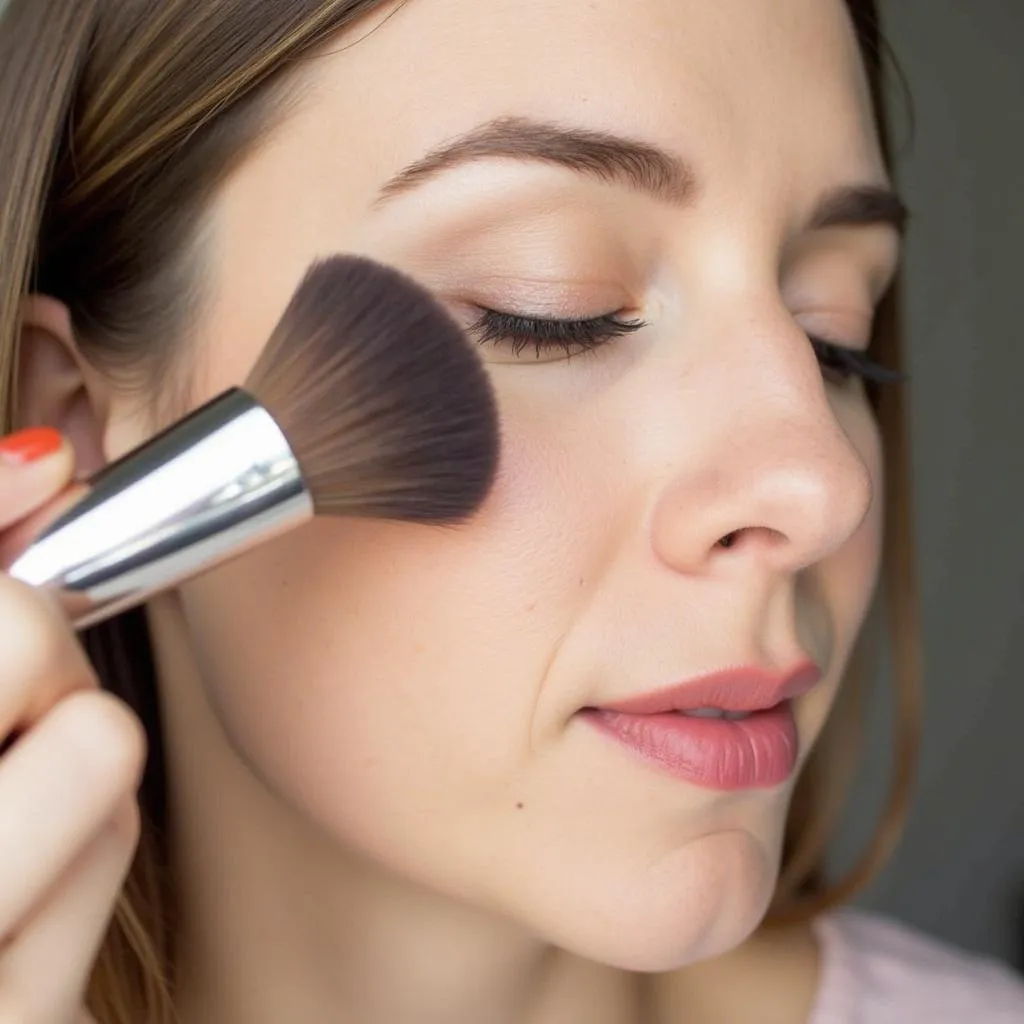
(119, 121)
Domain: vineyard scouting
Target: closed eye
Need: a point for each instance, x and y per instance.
(519, 332)
(840, 364)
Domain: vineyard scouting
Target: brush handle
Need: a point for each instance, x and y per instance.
(210, 487)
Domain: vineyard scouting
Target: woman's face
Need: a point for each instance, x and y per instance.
(418, 693)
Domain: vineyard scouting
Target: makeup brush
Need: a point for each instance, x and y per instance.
(367, 401)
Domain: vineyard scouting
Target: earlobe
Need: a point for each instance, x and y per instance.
(56, 386)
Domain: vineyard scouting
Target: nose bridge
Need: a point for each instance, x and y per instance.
(778, 400)
(775, 467)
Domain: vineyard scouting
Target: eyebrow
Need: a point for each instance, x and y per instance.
(602, 155)
(619, 160)
(859, 205)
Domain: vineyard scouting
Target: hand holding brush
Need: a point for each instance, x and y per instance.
(367, 401)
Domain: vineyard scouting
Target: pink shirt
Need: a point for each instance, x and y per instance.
(876, 971)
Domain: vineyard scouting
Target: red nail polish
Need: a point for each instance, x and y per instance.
(30, 445)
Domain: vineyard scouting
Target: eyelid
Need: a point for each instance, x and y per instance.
(853, 276)
(851, 327)
(549, 298)
(532, 316)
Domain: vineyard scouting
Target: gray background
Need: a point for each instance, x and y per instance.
(960, 871)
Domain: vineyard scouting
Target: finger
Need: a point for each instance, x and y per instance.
(16, 539)
(45, 970)
(41, 660)
(35, 465)
(61, 781)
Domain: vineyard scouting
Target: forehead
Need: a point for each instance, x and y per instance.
(724, 83)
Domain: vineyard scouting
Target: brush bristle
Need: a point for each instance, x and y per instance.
(381, 396)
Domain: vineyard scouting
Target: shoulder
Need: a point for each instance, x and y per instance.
(878, 971)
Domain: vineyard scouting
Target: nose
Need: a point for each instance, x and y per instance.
(768, 471)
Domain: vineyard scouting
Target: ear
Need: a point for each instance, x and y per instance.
(56, 385)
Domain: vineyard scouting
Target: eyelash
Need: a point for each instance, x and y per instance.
(576, 337)
(845, 363)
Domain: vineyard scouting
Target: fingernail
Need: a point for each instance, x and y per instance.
(30, 445)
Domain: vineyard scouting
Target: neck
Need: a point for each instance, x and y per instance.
(280, 931)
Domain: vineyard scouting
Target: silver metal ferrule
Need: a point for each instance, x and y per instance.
(212, 486)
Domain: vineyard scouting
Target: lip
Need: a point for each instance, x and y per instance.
(749, 688)
(760, 751)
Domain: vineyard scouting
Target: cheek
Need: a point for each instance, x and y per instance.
(834, 596)
(361, 665)
(850, 576)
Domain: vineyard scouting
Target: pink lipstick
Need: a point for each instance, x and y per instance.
(726, 731)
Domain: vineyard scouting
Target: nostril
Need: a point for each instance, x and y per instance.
(734, 537)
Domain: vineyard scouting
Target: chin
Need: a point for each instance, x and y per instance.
(697, 903)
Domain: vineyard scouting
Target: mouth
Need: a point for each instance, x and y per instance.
(730, 730)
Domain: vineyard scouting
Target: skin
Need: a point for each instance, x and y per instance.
(387, 805)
